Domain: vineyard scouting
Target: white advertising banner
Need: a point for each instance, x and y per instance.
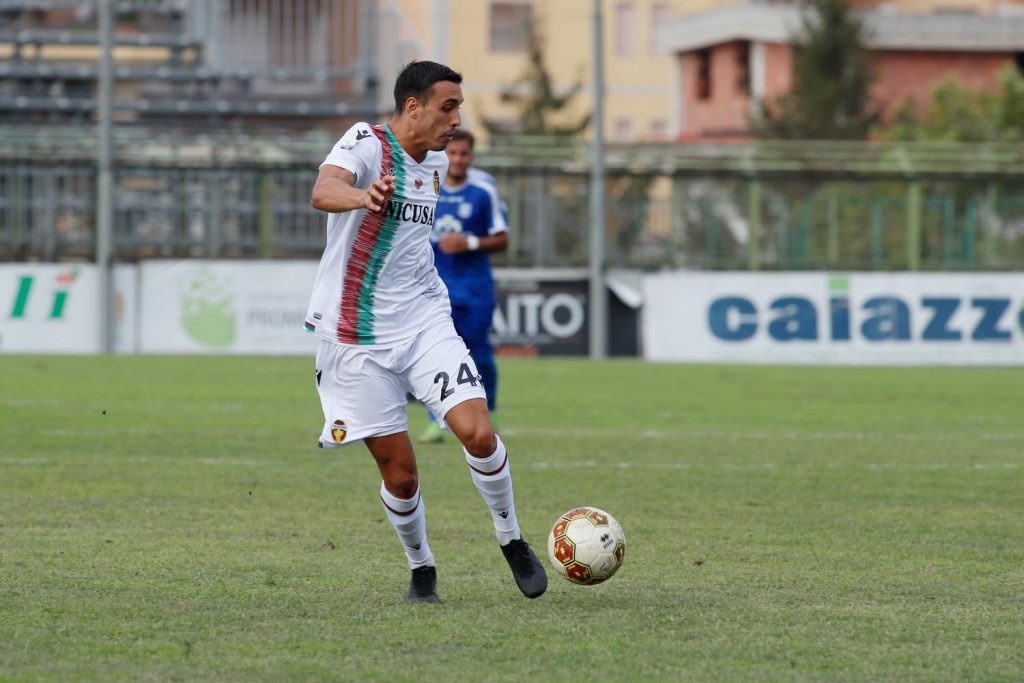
(226, 307)
(49, 308)
(822, 318)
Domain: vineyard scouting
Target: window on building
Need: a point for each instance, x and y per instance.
(660, 13)
(659, 130)
(510, 26)
(625, 29)
(623, 130)
(743, 67)
(703, 74)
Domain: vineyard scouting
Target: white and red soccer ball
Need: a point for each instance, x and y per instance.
(586, 545)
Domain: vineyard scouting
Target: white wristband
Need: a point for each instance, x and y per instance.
(472, 242)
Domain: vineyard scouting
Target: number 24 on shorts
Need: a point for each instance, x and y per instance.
(465, 376)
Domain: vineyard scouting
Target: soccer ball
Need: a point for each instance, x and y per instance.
(586, 545)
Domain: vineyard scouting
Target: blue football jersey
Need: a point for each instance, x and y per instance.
(471, 208)
(478, 174)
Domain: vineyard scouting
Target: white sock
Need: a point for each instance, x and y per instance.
(409, 517)
(493, 479)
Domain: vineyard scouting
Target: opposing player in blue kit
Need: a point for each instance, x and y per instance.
(470, 224)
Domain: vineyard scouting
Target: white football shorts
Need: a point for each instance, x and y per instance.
(363, 391)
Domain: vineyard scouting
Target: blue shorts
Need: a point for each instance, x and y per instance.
(473, 323)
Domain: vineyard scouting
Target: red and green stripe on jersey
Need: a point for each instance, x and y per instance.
(374, 239)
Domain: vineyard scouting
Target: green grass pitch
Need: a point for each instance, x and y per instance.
(170, 519)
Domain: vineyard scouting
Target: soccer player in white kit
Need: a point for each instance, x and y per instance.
(384, 320)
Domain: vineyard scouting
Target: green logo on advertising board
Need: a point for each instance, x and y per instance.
(208, 308)
(64, 280)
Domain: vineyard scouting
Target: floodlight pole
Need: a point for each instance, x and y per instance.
(104, 185)
(598, 218)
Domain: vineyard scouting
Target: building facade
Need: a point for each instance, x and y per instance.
(209, 64)
(674, 69)
(486, 40)
(733, 58)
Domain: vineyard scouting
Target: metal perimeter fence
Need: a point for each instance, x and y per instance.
(758, 206)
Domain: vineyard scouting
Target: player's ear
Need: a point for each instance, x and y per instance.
(412, 106)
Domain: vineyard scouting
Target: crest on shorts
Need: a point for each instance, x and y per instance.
(437, 183)
(338, 431)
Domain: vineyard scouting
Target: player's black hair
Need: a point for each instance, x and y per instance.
(417, 78)
(463, 134)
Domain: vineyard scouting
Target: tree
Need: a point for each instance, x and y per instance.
(830, 99)
(957, 113)
(533, 95)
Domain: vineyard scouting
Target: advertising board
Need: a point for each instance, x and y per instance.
(49, 308)
(541, 313)
(226, 307)
(857, 319)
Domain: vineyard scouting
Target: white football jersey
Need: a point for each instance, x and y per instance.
(376, 284)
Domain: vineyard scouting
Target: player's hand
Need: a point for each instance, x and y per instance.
(377, 195)
(452, 243)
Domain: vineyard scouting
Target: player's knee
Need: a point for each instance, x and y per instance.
(480, 440)
(402, 484)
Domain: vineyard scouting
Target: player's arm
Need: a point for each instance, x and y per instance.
(456, 242)
(497, 233)
(498, 242)
(335, 191)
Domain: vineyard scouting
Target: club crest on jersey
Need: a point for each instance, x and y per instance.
(437, 183)
(338, 431)
(419, 183)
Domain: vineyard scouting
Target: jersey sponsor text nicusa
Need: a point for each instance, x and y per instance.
(376, 284)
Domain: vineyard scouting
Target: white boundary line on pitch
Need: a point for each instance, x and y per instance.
(711, 463)
(761, 435)
(796, 466)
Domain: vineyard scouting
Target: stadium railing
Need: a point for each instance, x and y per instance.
(763, 205)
